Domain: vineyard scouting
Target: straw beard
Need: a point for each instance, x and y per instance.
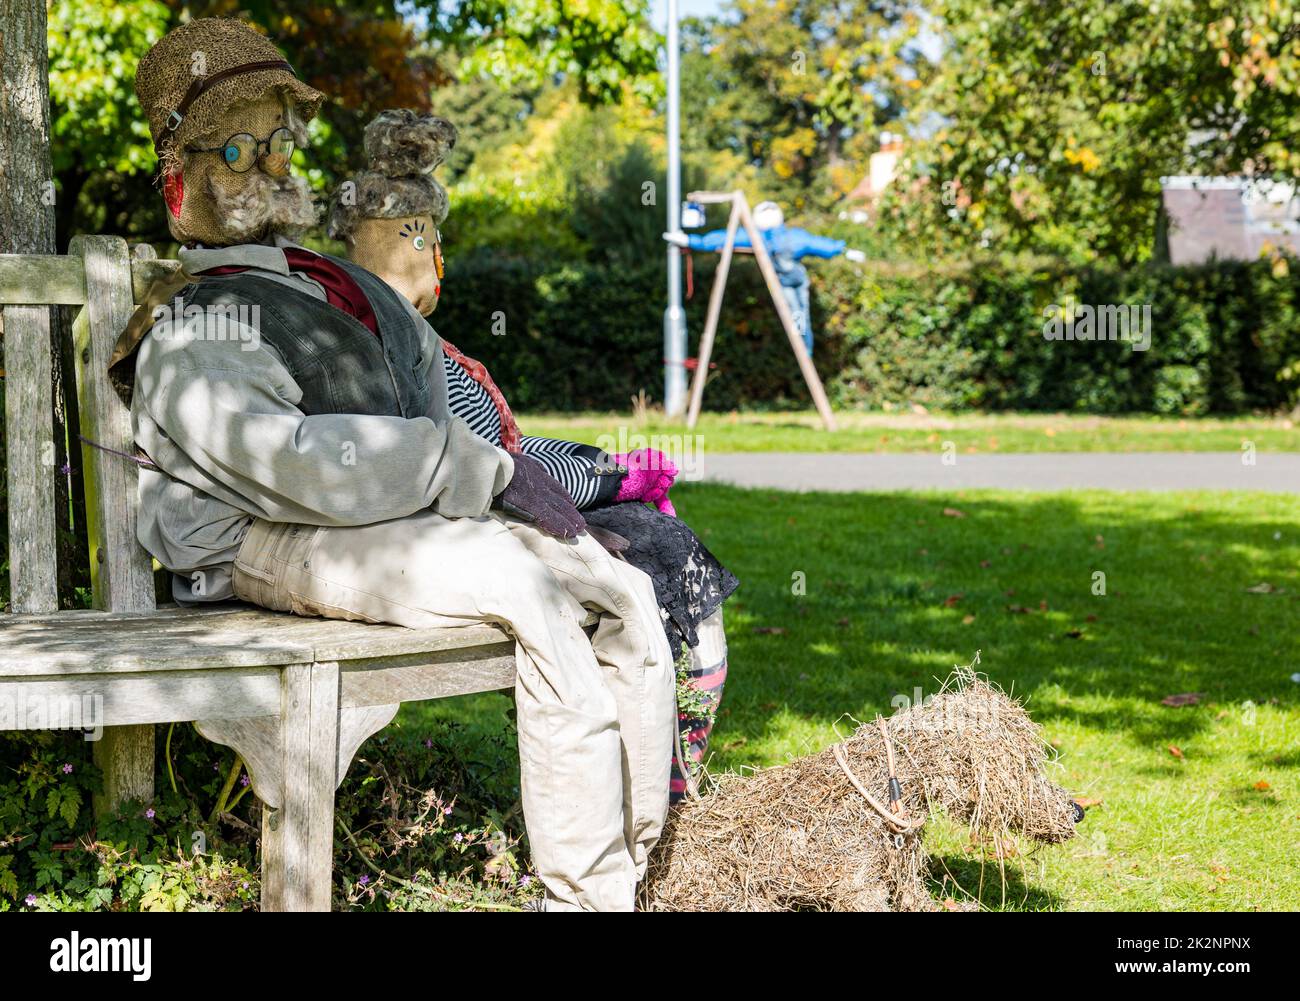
(263, 205)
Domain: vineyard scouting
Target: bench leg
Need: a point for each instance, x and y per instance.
(125, 756)
(298, 838)
(296, 761)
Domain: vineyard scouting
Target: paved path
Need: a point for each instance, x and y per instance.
(848, 471)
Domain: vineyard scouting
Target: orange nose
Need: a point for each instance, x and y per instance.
(275, 164)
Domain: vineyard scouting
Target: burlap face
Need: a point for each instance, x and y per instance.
(220, 207)
(400, 251)
(202, 48)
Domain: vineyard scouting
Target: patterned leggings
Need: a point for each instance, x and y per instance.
(708, 673)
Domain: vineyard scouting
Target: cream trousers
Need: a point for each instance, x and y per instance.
(596, 715)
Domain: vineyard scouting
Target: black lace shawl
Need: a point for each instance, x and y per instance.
(689, 581)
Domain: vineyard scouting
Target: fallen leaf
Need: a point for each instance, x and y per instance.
(1263, 587)
(967, 620)
(985, 564)
(1074, 634)
(769, 630)
(843, 623)
(1262, 786)
(952, 600)
(1086, 803)
(1090, 618)
(952, 512)
(1182, 699)
(1018, 609)
(1175, 751)
(951, 905)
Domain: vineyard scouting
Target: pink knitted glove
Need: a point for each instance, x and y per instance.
(650, 474)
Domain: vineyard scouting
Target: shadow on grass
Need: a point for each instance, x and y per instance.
(965, 879)
(897, 591)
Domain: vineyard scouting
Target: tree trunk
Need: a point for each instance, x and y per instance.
(27, 215)
(26, 176)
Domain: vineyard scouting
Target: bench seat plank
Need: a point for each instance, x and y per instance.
(92, 642)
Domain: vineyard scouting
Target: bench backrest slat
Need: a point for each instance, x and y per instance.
(30, 452)
(121, 571)
(100, 275)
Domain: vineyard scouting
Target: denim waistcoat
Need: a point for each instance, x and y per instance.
(340, 366)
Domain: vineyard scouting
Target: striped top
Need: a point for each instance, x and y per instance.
(573, 464)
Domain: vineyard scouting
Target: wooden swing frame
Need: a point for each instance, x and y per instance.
(741, 216)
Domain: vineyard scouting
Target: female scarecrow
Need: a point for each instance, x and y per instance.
(389, 216)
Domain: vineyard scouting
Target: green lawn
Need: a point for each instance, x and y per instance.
(970, 433)
(1199, 805)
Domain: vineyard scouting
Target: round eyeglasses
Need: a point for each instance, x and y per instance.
(243, 149)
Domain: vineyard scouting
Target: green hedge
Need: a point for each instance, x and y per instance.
(1225, 336)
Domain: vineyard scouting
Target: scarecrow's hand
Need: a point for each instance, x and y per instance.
(535, 495)
(650, 475)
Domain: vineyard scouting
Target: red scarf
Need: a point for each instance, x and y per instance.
(341, 289)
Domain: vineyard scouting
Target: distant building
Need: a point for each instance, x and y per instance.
(1229, 218)
(881, 171)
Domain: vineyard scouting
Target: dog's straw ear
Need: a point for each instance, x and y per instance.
(402, 142)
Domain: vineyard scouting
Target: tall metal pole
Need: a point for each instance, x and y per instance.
(674, 318)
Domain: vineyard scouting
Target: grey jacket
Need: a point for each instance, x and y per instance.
(218, 413)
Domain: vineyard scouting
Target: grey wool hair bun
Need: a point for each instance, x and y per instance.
(403, 148)
(400, 142)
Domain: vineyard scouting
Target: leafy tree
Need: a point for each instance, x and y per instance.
(600, 45)
(1049, 123)
(797, 88)
(365, 55)
(97, 129)
(1257, 43)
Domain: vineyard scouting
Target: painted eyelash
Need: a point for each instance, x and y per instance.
(411, 229)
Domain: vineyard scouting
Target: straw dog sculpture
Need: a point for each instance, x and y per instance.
(821, 833)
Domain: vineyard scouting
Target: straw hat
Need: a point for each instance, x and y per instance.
(197, 70)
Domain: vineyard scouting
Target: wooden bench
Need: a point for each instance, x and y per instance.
(294, 697)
